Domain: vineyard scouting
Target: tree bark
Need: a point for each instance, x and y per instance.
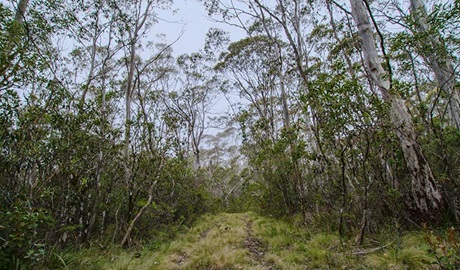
(139, 24)
(139, 214)
(438, 59)
(426, 196)
(92, 67)
(21, 11)
(127, 142)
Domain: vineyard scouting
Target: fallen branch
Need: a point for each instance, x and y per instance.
(369, 251)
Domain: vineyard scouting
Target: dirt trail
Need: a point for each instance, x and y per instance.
(227, 241)
(256, 248)
(251, 242)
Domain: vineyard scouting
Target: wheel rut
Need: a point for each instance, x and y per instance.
(256, 248)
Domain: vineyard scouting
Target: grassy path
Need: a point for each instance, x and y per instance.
(249, 241)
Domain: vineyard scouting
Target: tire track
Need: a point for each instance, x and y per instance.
(256, 248)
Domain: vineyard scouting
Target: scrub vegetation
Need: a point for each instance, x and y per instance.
(326, 137)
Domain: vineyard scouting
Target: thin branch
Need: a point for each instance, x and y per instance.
(382, 44)
(341, 7)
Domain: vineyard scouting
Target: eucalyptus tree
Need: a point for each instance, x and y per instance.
(153, 81)
(151, 136)
(294, 19)
(425, 194)
(286, 23)
(92, 70)
(435, 38)
(298, 57)
(432, 47)
(134, 21)
(424, 190)
(193, 100)
(290, 22)
(135, 18)
(256, 69)
(251, 66)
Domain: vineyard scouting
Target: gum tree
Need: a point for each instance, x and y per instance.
(425, 193)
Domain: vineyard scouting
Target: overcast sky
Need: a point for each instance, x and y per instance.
(192, 17)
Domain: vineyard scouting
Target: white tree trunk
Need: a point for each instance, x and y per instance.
(21, 11)
(286, 117)
(139, 214)
(424, 191)
(141, 18)
(438, 59)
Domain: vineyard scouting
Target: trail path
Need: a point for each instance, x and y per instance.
(252, 242)
(226, 242)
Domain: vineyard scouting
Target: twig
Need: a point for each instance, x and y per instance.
(369, 251)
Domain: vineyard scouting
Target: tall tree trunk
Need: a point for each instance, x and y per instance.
(100, 158)
(130, 85)
(435, 53)
(7, 52)
(297, 174)
(92, 67)
(21, 11)
(426, 196)
(286, 118)
(127, 144)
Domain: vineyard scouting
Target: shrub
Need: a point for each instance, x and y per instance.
(22, 235)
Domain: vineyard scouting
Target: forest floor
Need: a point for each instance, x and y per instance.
(249, 241)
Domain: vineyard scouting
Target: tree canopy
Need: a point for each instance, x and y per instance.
(344, 113)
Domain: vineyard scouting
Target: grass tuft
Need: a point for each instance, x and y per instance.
(413, 254)
(406, 258)
(250, 241)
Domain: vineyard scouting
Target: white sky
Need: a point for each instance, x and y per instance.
(191, 16)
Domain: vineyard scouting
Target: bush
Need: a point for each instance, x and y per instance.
(22, 235)
(446, 248)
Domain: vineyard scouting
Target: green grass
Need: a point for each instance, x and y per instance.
(250, 241)
(294, 248)
(413, 254)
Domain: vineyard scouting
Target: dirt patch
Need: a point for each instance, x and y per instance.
(203, 234)
(255, 246)
(181, 259)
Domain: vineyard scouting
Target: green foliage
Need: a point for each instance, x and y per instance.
(443, 147)
(250, 199)
(446, 247)
(244, 50)
(335, 161)
(12, 47)
(179, 197)
(22, 235)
